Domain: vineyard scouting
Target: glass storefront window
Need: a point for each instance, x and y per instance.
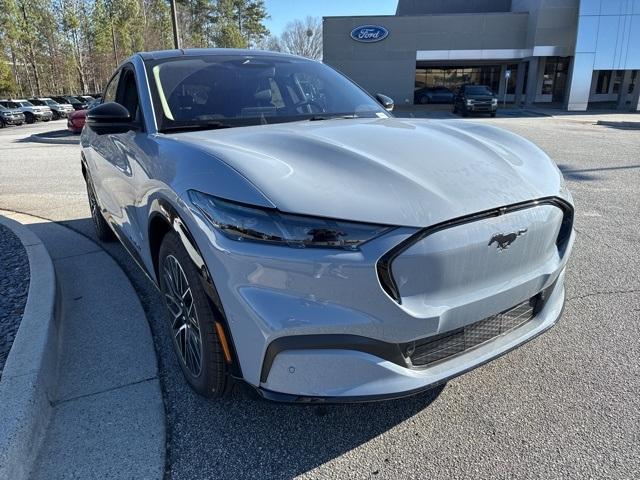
(604, 80)
(454, 77)
(617, 80)
(632, 84)
(511, 83)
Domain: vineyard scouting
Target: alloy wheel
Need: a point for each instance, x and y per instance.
(184, 320)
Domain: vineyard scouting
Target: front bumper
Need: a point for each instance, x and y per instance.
(482, 107)
(335, 373)
(14, 120)
(43, 115)
(279, 295)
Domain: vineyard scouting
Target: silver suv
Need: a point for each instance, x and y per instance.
(59, 110)
(31, 112)
(10, 117)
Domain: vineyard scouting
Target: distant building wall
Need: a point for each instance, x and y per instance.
(389, 66)
(422, 7)
(608, 38)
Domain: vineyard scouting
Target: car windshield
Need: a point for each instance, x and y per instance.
(3, 108)
(25, 104)
(230, 91)
(73, 101)
(478, 90)
(51, 103)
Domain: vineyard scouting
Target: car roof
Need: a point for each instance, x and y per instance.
(192, 52)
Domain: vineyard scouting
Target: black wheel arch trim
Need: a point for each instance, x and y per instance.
(384, 263)
(160, 207)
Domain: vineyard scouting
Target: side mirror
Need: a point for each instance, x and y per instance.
(385, 101)
(109, 117)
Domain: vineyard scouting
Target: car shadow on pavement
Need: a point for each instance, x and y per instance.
(243, 436)
(590, 174)
(55, 137)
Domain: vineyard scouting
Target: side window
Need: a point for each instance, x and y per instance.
(112, 88)
(127, 94)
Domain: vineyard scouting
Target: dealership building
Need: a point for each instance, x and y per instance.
(567, 53)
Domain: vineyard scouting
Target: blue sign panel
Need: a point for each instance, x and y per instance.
(369, 33)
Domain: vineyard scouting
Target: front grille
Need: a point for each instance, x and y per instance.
(446, 345)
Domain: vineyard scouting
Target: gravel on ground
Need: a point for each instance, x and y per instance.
(14, 287)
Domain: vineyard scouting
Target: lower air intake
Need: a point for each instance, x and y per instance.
(440, 347)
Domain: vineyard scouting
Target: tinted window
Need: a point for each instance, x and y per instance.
(112, 88)
(245, 90)
(127, 94)
(25, 104)
(477, 90)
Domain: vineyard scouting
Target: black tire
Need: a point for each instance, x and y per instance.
(2, 125)
(103, 230)
(424, 100)
(46, 119)
(455, 109)
(465, 112)
(212, 379)
(29, 118)
(493, 114)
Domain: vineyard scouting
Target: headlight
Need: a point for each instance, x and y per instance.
(469, 102)
(247, 223)
(494, 101)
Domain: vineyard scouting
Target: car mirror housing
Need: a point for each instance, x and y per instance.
(386, 102)
(110, 117)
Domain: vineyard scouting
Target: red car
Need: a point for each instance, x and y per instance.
(75, 121)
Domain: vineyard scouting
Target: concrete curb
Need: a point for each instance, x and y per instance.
(29, 376)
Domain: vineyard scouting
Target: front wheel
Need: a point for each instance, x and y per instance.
(103, 231)
(493, 114)
(29, 118)
(191, 320)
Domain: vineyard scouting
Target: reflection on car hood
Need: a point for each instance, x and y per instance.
(388, 171)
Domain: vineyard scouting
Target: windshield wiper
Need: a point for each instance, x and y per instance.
(196, 126)
(316, 118)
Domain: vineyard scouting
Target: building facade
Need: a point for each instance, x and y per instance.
(570, 53)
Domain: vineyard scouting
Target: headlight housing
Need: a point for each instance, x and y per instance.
(494, 101)
(248, 223)
(469, 102)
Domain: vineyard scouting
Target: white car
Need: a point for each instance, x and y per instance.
(309, 243)
(59, 110)
(32, 113)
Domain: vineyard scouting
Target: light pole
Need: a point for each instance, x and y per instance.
(174, 22)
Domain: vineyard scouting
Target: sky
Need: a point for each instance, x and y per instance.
(284, 11)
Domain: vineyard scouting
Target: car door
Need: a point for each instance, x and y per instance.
(117, 161)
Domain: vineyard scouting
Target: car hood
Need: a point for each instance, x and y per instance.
(388, 171)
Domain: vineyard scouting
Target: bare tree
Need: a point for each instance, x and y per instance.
(303, 38)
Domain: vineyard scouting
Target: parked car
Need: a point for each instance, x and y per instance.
(31, 112)
(310, 244)
(73, 101)
(75, 121)
(10, 116)
(86, 99)
(475, 99)
(59, 110)
(433, 95)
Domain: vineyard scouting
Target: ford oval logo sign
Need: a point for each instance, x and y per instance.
(369, 33)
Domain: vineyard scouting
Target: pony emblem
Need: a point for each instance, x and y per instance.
(504, 240)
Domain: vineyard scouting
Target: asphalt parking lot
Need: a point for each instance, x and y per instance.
(566, 405)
